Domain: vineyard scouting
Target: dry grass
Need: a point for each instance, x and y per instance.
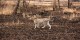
(8, 7)
(7, 11)
(10, 2)
(69, 10)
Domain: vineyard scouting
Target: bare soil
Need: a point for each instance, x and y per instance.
(59, 31)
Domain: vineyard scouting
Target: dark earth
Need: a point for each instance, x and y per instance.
(59, 31)
(62, 29)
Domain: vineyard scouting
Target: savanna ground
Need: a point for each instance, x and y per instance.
(25, 31)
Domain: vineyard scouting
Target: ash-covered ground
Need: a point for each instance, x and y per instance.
(59, 31)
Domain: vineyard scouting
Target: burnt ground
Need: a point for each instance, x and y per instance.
(59, 31)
